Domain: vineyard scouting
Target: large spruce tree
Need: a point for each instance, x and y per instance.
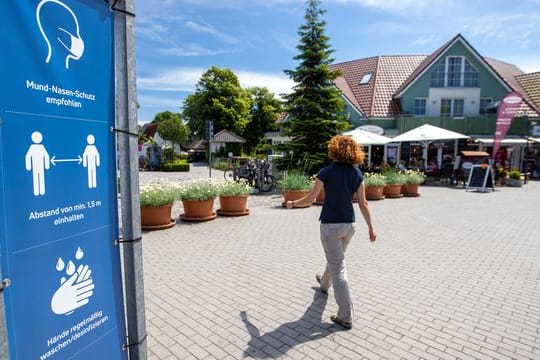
(315, 107)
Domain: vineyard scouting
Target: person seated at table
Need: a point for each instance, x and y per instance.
(431, 169)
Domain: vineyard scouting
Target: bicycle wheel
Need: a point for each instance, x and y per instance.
(229, 174)
(269, 183)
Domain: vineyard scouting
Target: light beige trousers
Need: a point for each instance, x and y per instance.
(335, 239)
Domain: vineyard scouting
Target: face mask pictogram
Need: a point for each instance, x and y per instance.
(60, 37)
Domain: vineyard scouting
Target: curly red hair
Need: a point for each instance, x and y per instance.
(343, 149)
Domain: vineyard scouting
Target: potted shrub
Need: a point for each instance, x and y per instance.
(501, 175)
(294, 185)
(412, 180)
(198, 200)
(514, 178)
(156, 201)
(374, 184)
(394, 180)
(233, 198)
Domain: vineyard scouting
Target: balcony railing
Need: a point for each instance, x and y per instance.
(469, 125)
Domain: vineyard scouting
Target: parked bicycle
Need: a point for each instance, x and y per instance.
(257, 173)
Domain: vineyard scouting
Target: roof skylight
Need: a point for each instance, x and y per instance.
(365, 78)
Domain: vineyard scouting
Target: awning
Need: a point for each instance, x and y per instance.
(469, 153)
(506, 141)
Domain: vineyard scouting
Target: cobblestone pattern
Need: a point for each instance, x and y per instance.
(453, 275)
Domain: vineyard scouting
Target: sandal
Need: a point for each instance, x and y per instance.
(346, 325)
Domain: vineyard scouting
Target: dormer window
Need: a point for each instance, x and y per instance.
(365, 78)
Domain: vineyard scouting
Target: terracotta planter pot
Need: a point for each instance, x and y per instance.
(291, 195)
(375, 192)
(195, 210)
(392, 191)
(156, 217)
(233, 205)
(410, 190)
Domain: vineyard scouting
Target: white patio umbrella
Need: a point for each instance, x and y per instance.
(367, 138)
(427, 134)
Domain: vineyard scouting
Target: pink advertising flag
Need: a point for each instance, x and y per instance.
(505, 115)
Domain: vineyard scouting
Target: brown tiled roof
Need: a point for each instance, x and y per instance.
(346, 90)
(391, 73)
(150, 129)
(530, 84)
(352, 72)
(508, 73)
(228, 137)
(374, 99)
(196, 144)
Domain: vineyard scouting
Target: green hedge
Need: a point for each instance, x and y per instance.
(178, 165)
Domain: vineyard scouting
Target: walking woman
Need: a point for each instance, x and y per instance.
(341, 180)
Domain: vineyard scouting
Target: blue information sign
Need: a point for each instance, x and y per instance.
(58, 197)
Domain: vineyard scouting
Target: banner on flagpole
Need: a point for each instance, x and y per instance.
(507, 109)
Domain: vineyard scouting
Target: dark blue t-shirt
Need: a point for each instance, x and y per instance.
(340, 183)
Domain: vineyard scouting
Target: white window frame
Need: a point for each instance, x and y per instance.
(425, 106)
(453, 107)
(462, 61)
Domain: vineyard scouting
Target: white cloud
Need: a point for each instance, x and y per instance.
(181, 79)
(192, 50)
(166, 101)
(394, 6)
(208, 29)
(527, 63)
(519, 29)
(277, 84)
(185, 79)
(426, 40)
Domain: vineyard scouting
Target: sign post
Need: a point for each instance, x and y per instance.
(126, 98)
(58, 185)
(209, 132)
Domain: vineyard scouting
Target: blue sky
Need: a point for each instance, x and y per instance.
(178, 40)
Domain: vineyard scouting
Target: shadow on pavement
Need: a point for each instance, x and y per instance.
(276, 343)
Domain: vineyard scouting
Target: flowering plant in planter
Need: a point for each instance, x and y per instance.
(157, 193)
(393, 177)
(514, 174)
(198, 190)
(413, 177)
(374, 179)
(295, 180)
(234, 188)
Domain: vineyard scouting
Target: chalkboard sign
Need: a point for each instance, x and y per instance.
(479, 177)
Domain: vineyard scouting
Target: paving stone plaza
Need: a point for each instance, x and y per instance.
(452, 275)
